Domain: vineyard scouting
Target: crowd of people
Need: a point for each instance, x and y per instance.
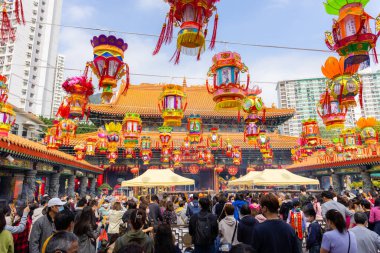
(238, 223)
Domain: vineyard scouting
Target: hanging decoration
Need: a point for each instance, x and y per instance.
(129, 153)
(252, 105)
(135, 170)
(368, 134)
(108, 64)
(344, 82)
(101, 145)
(80, 151)
(165, 138)
(233, 170)
(67, 130)
(214, 140)
(227, 90)
(228, 148)
(236, 155)
(194, 169)
(131, 130)
(90, 146)
(310, 131)
(350, 143)
(177, 158)
(186, 147)
(192, 17)
(146, 150)
(219, 169)
(7, 115)
(201, 156)
(79, 88)
(165, 156)
(268, 157)
(351, 35)
(250, 168)
(328, 109)
(51, 139)
(209, 158)
(113, 140)
(194, 128)
(172, 104)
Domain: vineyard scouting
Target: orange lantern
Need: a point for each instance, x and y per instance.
(351, 35)
(90, 146)
(67, 130)
(368, 134)
(227, 91)
(135, 170)
(233, 170)
(172, 104)
(228, 148)
(219, 169)
(80, 151)
(165, 155)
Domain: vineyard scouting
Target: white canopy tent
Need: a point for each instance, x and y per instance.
(273, 177)
(157, 178)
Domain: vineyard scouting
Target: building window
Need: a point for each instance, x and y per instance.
(15, 129)
(24, 132)
(31, 95)
(30, 104)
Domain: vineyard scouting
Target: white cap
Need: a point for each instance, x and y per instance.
(55, 202)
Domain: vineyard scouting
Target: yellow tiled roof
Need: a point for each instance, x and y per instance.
(34, 149)
(143, 99)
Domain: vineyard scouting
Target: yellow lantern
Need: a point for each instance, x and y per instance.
(172, 104)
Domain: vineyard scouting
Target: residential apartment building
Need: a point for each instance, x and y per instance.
(58, 92)
(29, 63)
(304, 94)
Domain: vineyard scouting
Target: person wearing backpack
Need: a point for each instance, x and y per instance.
(314, 232)
(228, 229)
(203, 228)
(286, 206)
(193, 206)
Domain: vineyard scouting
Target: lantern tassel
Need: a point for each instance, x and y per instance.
(375, 55)
(160, 40)
(248, 81)
(6, 30)
(214, 32)
(361, 94)
(169, 27)
(19, 12)
(176, 56)
(127, 80)
(264, 112)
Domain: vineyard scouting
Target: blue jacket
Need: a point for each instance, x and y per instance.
(238, 204)
(314, 235)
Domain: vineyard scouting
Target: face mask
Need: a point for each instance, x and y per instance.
(61, 208)
(105, 205)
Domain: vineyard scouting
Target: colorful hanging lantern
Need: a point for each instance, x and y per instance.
(368, 134)
(227, 90)
(135, 170)
(263, 141)
(50, 138)
(236, 155)
(252, 103)
(165, 155)
(68, 128)
(330, 112)
(349, 140)
(91, 146)
(108, 64)
(219, 169)
(177, 158)
(310, 131)
(172, 104)
(146, 150)
(228, 148)
(233, 170)
(192, 17)
(201, 156)
(131, 129)
(101, 145)
(194, 128)
(186, 147)
(7, 31)
(214, 139)
(194, 169)
(344, 82)
(351, 35)
(3, 90)
(80, 151)
(209, 158)
(129, 153)
(7, 115)
(113, 140)
(268, 157)
(79, 89)
(165, 135)
(252, 130)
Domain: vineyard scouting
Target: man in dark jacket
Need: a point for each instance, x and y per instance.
(246, 225)
(193, 206)
(155, 214)
(203, 228)
(222, 200)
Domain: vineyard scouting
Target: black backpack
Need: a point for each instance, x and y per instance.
(285, 208)
(203, 230)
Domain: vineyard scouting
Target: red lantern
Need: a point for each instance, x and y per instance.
(7, 30)
(330, 112)
(194, 169)
(192, 16)
(250, 168)
(186, 147)
(112, 156)
(135, 170)
(219, 169)
(165, 135)
(233, 170)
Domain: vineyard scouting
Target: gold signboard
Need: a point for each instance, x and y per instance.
(67, 171)
(16, 163)
(44, 167)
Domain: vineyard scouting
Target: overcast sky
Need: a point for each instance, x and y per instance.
(288, 23)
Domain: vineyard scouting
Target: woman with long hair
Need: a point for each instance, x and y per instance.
(338, 239)
(87, 231)
(169, 214)
(6, 240)
(115, 220)
(164, 240)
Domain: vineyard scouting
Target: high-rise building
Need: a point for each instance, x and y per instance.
(30, 61)
(304, 94)
(58, 92)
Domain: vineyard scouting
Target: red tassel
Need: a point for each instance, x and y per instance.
(248, 81)
(7, 31)
(160, 40)
(127, 81)
(176, 56)
(213, 38)
(264, 112)
(169, 27)
(239, 116)
(375, 55)
(361, 94)
(199, 53)
(19, 12)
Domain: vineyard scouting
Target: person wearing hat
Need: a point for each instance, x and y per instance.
(44, 227)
